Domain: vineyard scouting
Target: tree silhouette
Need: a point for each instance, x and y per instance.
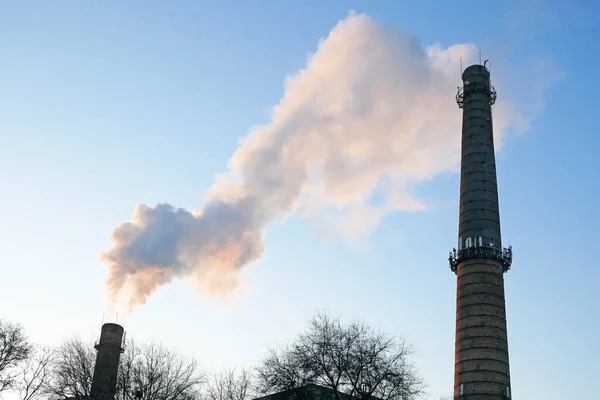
(347, 358)
(72, 370)
(153, 372)
(36, 374)
(230, 385)
(15, 349)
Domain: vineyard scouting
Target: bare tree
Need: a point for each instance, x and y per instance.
(352, 359)
(146, 372)
(35, 374)
(230, 385)
(72, 369)
(152, 372)
(15, 349)
(125, 377)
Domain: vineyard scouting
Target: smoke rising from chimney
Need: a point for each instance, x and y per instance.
(371, 111)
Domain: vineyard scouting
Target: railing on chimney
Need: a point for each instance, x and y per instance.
(476, 87)
(480, 248)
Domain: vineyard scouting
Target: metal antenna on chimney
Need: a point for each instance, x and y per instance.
(117, 318)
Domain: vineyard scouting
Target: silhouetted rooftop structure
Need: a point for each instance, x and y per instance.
(310, 392)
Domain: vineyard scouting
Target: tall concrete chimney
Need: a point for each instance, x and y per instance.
(481, 369)
(104, 382)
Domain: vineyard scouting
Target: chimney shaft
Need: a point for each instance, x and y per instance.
(104, 382)
(481, 347)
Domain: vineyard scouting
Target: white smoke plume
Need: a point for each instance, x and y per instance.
(372, 111)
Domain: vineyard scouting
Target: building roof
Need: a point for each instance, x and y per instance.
(309, 392)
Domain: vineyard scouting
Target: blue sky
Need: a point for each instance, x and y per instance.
(106, 106)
